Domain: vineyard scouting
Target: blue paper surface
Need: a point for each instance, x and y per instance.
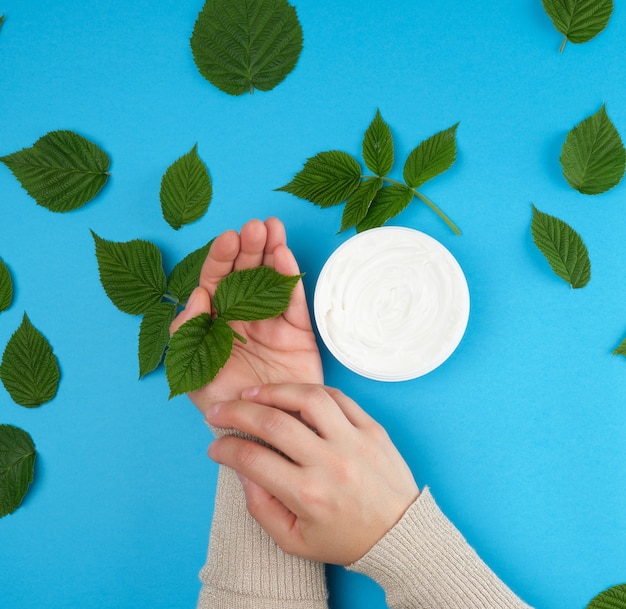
(520, 434)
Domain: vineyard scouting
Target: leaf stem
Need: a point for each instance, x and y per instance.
(563, 44)
(171, 298)
(455, 229)
(239, 337)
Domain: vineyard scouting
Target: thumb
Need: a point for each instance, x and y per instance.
(199, 302)
(273, 516)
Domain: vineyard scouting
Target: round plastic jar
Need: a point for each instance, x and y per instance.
(391, 303)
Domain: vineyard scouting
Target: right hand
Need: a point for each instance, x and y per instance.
(338, 483)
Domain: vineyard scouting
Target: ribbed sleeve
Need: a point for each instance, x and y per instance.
(245, 569)
(425, 563)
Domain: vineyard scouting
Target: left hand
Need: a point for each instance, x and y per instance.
(338, 486)
(281, 349)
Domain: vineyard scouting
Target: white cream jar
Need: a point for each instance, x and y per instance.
(391, 303)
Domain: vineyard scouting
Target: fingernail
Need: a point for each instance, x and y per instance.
(251, 392)
(242, 479)
(212, 412)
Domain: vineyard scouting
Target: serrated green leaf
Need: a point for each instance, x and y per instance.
(359, 202)
(562, 247)
(621, 349)
(613, 598)
(154, 334)
(378, 146)
(579, 20)
(431, 158)
(17, 467)
(196, 353)
(62, 171)
(185, 276)
(29, 370)
(186, 190)
(254, 294)
(6, 287)
(387, 203)
(131, 273)
(239, 45)
(593, 158)
(326, 179)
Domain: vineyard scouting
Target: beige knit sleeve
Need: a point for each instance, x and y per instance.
(245, 569)
(425, 563)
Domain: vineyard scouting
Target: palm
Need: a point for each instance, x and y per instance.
(277, 350)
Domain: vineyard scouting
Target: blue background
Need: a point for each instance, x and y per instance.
(521, 434)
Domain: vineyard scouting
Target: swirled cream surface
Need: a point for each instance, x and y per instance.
(391, 303)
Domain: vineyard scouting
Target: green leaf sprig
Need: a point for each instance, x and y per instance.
(578, 20)
(593, 158)
(17, 466)
(133, 278)
(329, 178)
(200, 348)
(243, 45)
(612, 598)
(562, 247)
(1, 21)
(29, 370)
(62, 171)
(6, 287)
(186, 190)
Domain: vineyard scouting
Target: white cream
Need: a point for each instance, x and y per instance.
(391, 303)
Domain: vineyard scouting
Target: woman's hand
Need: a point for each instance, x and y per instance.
(338, 483)
(282, 349)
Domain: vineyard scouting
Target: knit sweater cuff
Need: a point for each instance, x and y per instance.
(212, 598)
(424, 562)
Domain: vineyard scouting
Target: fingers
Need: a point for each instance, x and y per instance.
(254, 246)
(220, 260)
(273, 516)
(313, 403)
(297, 313)
(259, 464)
(253, 241)
(324, 408)
(199, 302)
(276, 236)
(272, 425)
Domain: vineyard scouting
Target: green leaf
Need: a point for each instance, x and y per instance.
(359, 202)
(62, 171)
(185, 276)
(431, 158)
(196, 353)
(154, 334)
(579, 20)
(613, 598)
(326, 179)
(562, 247)
(387, 203)
(17, 466)
(242, 45)
(6, 287)
(593, 156)
(254, 294)
(29, 370)
(621, 349)
(186, 190)
(378, 146)
(1, 21)
(131, 273)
